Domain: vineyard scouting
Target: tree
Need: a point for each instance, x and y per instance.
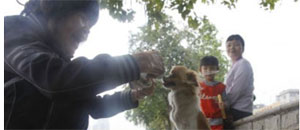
(178, 47)
(157, 9)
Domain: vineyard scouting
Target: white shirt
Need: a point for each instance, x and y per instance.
(239, 86)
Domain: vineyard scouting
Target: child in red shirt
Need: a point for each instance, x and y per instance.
(209, 91)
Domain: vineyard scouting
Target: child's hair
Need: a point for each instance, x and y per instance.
(209, 60)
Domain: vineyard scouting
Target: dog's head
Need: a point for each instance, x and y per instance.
(180, 76)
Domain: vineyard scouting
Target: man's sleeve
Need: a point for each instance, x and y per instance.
(110, 105)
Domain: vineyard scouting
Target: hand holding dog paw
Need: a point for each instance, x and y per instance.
(140, 92)
(150, 62)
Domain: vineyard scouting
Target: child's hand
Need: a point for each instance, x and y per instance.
(221, 105)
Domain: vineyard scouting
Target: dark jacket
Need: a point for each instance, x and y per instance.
(45, 90)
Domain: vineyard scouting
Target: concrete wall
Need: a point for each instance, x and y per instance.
(283, 117)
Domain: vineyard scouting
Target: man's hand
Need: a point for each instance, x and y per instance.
(150, 62)
(141, 92)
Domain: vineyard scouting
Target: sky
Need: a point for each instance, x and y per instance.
(272, 43)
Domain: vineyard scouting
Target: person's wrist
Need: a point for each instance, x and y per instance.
(138, 59)
(134, 95)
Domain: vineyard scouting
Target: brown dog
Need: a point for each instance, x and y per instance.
(184, 100)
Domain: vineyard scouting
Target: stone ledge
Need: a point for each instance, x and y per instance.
(277, 110)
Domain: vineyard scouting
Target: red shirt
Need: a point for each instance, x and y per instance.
(208, 98)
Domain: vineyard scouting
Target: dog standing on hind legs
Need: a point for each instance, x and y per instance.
(183, 98)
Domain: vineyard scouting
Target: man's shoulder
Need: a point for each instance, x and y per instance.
(17, 24)
(15, 20)
(21, 27)
(12, 17)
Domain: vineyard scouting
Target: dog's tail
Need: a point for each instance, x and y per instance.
(202, 122)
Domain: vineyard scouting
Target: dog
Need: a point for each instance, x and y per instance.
(184, 99)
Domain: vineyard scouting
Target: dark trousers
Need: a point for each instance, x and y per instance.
(234, 115)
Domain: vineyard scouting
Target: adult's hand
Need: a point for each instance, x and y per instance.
(140, 92)
(150, 62)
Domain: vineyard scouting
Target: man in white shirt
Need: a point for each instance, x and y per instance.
(239, 80)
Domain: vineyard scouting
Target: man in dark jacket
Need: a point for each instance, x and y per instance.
(44, 89)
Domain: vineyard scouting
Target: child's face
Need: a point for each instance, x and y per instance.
(209, 72)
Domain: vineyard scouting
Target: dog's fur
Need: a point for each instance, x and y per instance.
(184, 100)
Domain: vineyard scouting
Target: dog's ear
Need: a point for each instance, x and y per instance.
(192, 78)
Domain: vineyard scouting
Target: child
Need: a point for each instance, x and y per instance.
(210, 89)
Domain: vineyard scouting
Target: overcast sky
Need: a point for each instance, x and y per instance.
(272, 42)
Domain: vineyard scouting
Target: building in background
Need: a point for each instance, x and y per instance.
(282, 98)
(288, 96)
